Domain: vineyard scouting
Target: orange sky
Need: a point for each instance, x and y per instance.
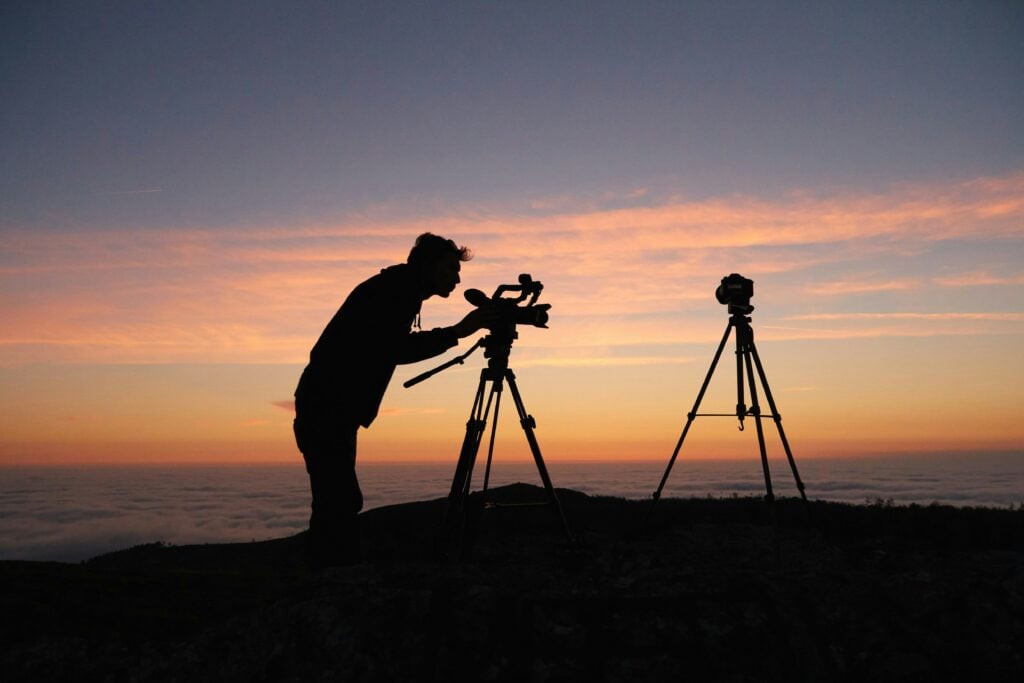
(888, 321)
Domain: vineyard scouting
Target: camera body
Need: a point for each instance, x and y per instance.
(735, 292)
(510, 310)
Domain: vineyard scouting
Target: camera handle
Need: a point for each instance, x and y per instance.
(527, 287)
(458, 360)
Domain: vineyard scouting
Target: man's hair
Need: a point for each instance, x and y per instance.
(430, 248)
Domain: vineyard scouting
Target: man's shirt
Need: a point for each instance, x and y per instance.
(351, 364)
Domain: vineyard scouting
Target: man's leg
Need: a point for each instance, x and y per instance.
(337, 499)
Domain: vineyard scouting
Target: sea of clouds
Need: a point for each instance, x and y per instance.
(69, 514)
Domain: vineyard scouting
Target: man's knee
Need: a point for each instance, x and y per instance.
(333, 483)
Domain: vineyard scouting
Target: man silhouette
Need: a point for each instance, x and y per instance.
(348, 372)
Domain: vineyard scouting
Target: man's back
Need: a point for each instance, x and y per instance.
(353, 360)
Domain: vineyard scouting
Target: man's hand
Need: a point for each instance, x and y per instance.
(477, 319)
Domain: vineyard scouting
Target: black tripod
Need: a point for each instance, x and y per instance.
(746, 357)
(459, 514)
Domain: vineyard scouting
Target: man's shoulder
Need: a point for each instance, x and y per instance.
(397, 277)
(392, 287)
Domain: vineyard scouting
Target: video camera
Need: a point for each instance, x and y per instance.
(735, 291)
(510, 310)
(508, 313)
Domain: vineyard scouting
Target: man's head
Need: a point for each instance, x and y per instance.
(439, 262)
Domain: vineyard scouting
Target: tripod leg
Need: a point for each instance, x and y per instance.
(496, 393)
(778, 420)
(528, 424)
(693, 413)
(457, 512)
(741, 404)
(470, 445)
(755, 410)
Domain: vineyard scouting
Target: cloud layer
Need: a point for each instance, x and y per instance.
(619, 270)
(72, 514)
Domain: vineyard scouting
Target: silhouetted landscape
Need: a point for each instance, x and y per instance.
(705, 589)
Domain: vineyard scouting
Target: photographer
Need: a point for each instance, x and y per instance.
(348, 372)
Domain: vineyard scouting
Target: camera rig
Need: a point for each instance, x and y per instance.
(520, 308)
(735, 291)
(509, 312)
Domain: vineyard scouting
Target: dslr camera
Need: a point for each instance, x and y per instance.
(511, 310)
(735, 292)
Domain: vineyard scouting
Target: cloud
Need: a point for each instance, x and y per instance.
(72, 514)
(260, 295)
(895, 324)
(288, 405)
(401, 412)
(1016, 317)
(602, 361)
(864, 285)
(979, 279)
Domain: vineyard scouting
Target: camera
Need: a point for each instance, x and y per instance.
(735, 292)
(511, 310)
(507, 312)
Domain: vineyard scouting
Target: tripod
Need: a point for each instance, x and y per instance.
(747, 359)
(497, 347)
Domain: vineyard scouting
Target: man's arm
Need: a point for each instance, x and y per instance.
(417, 346)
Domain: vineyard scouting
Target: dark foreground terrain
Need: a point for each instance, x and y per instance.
(705, 590)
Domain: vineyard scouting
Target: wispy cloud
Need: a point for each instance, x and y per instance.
(623, 268)
(1019, 317)
(862, 325)
(860, 286)
(862, 283)
(979, 279)
(603, 361)
(401, 412)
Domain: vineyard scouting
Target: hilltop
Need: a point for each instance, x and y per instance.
(708, 589)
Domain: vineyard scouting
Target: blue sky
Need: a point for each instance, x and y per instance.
(260, 112)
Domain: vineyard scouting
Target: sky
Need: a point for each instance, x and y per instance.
(189, 190)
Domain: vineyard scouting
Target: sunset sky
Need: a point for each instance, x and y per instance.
(188, 191)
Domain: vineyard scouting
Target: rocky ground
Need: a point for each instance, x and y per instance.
(729, 590)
